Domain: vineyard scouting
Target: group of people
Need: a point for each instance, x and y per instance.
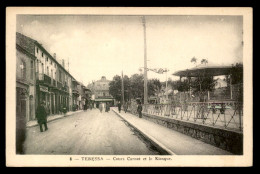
(125, 106)
(41, 112)
(104, 107)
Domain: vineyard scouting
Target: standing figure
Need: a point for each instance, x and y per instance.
(139, 109)
(100, 107)
(107, 107)
(119, 107)
(125, 107)
(41, 116)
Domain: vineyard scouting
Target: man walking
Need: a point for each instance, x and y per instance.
(119, 107)
(107, 107)
(41, 116)
(125, 107)
(139, 109)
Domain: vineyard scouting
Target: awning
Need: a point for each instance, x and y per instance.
(210, 70)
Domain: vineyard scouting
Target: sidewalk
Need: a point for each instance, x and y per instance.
(173, 142)
(51, 118)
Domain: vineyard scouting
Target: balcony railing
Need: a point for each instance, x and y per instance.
(75, 91)
(44, 78)
(54, 83)
(59, 84)
(65, 88)
(227, 115)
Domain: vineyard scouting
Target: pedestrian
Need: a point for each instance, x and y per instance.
(100, 107)
(125, 107)
(107, 107)
(139, 109)
(119, 107)
(41, 116)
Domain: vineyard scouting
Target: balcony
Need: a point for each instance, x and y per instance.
(75, 91)
(65, 88)
(54, 83)
(43, 78)
(59, 85)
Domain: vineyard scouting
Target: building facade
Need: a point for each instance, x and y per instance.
(52, 84)
(100, 90)
(25, 91)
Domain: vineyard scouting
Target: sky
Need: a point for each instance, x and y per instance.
(96, 45)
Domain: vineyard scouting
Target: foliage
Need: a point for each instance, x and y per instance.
(115, 87)
(203, 83)
(154, 87)
(183, 86)
(237, 73)
(204, 61)
(193, 60)
(136, 86)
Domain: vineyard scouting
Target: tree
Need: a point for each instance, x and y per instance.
(204, 61)
(115, 87)
(154, 87)
(237, 73)
(194, 60)
(183, 86)
(203, 83)
(136, 86)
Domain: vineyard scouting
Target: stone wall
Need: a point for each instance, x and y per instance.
(225, 139)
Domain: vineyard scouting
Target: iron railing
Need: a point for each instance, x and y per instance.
(228, 115)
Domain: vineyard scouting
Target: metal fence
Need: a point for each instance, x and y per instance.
(228, 115)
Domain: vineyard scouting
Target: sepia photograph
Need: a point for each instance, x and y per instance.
(129, 86)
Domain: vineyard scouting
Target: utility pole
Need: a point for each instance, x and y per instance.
(145, 64)
(123, 93)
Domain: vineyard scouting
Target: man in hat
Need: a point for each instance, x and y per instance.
(41, 116)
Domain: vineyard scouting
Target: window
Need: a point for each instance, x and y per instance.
(47, 70)
(23, 69)
(55, 75)
(47, 59)
(42, 54)
(104, 94)
(51, 62)
(31, 69)
(51, 74)
(42, 69)
(37, 50)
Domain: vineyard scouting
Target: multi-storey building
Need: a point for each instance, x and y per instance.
(54, 84)
(25, 90)
(25, 80)
(100, 89)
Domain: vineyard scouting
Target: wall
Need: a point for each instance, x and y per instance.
(228, 140)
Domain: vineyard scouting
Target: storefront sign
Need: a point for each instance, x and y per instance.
(44, 89)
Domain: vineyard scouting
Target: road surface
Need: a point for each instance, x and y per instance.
(87, 133)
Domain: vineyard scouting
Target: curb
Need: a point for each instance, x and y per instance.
(160, 147)
(53, 119)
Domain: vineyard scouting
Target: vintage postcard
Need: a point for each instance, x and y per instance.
(139, 87)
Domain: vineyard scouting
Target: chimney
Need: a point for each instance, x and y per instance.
(54, 56)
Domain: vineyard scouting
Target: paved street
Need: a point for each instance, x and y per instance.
(87, 133)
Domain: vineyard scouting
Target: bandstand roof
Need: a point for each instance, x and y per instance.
(211, 70)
